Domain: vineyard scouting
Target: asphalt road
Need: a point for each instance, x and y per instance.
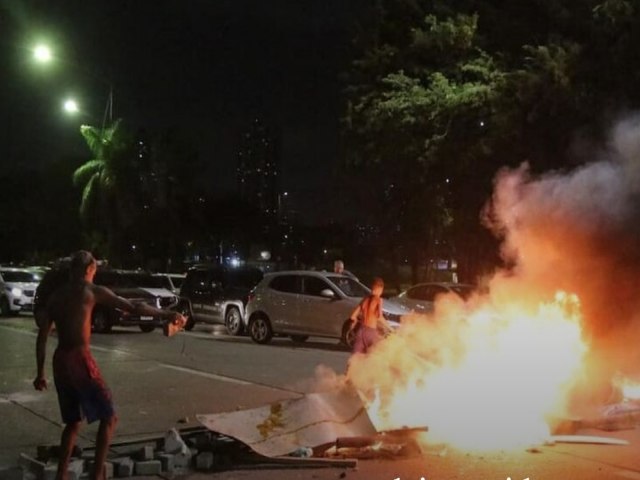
(160, 383)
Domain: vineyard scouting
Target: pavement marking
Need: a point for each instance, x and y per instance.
(212, 376)
(223, 378)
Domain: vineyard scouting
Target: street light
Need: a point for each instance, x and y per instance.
(43, 54)
(71, 106)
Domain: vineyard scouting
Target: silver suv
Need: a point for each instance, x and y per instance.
(300, 304)
(18, 286)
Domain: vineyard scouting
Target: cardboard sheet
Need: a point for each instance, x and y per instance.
(282, 427)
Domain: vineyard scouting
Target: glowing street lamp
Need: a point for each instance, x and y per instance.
(42, 53)
(71, 106)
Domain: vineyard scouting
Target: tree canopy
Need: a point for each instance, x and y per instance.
(442, 94)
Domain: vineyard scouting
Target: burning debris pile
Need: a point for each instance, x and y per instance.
(554, 329)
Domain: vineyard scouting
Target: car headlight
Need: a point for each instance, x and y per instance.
(16, 292)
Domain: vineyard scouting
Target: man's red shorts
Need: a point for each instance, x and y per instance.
(82, 393)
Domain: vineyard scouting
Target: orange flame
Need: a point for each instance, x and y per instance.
(482, 375)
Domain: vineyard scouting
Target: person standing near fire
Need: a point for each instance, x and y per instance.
(369, 314)
(338, 267)
(82, 392)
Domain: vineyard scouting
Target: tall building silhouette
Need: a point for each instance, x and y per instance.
(258, 167)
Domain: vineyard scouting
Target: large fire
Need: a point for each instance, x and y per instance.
(481, 376)
(493, 372)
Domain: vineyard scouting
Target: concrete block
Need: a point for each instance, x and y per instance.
(182, 461)
(123, 467)
(76, 466)
(74, 471)
(173, 442)
(148, 467)
(50, 472)
(204, 461)
(31, 465)
(166, 462)
(146, 453)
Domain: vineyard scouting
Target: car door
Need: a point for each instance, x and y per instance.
(195, 290)
(281, 304)
(212, 296)
(319, 314)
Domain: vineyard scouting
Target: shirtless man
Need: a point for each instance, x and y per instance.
(82, 393)
(370, 312)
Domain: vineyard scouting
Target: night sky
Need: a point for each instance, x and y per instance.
(205, 66)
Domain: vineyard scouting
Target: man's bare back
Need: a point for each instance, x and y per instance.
(70, 310)
(371, 310)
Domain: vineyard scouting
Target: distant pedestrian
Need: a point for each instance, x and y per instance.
(338, 267)
(82, 393)
(367, 319)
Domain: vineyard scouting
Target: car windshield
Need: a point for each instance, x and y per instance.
(349, 286)
(177, 280)
(128, 280)
(10, 276)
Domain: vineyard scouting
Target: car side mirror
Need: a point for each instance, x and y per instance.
(328, 293)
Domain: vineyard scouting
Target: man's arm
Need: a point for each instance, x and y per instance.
(44, 328)
(354, 316)
(105, 296)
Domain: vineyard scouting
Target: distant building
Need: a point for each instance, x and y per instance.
(258, 168)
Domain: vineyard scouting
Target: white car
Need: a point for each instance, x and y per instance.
(18, 287)
(420, 298)
(172, 281)
(301, 303)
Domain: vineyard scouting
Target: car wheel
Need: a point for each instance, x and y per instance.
(348, 336)
(100, 322)
(260, 329)
(299, 338)
(233, 321)
(147, 328)
(5, 309)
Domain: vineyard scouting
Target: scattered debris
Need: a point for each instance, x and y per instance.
(617, 416)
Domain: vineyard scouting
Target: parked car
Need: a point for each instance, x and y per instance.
(301, 303)
(133, 285)
(172, 281)
(219, 294)
(17, 290)
(420, 298)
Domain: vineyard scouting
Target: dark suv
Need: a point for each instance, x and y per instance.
(135, 286)
(219, 294)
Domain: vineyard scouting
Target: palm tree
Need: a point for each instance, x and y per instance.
(106, 180)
